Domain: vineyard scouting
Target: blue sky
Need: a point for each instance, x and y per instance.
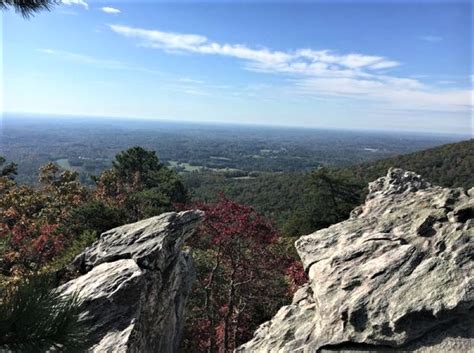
(393, 65)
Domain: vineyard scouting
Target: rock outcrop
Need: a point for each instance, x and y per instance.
(396, 276)
(135, 283)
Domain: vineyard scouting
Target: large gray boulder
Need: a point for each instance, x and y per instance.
(396, 276)
(135, 283)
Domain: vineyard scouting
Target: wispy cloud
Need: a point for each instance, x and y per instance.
(317, 72)
(190, 80)
(189, 85)
(431, 39)
(397, 93)
(90, 60)
(194, 92)
(76, 2)
(305, 61)
(446, 82)
(111, 10)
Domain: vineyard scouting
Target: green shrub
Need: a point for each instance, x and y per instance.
(35, 318)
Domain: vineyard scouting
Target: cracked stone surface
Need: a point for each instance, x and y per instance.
(396, 276)
(135, 283)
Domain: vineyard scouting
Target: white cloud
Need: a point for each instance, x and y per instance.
(164, 40)
(397, 93)
(84, 59)
(190, 80)
(303, 60)
(194, 92)
(76, 2)
(90, 60)
(111, 10)
(446, 82)
(384, 64)
(318, 72)
(432, 39)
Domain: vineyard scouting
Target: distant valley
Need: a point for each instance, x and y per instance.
(88, 145)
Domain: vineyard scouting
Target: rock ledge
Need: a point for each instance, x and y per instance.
(135, 283)
(396, 276)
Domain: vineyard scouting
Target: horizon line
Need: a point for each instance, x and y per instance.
(247, 124)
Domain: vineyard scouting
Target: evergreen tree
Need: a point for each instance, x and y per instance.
(35, 319)
(140, 185)
(8, 170)
(330, 196)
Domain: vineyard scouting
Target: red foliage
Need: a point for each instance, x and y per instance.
(296, 275)
(48, 243)
(241, 279)
(31, 244)
(30, 218)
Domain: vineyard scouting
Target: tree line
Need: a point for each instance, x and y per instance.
(243, 276)
(246, 263)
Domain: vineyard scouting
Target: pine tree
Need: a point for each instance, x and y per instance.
(34, 318)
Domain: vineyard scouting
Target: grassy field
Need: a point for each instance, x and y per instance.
(64, 164)
(186, 166)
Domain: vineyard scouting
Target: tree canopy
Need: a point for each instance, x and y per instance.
(242, 278)
(39, 224)
(246, 267)
(140, 185)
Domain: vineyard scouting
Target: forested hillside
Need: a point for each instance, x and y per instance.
(43, 227)
(287, 198)
(449, 165)
(180, 178)
(238, 254)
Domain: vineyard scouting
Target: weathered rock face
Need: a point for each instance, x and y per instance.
(397, 275)
(135, 284)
